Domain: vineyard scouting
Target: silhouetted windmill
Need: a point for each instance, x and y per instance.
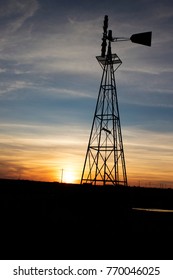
(105, 161)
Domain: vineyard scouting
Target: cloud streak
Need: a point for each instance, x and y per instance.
(16, 13)
(149, 156)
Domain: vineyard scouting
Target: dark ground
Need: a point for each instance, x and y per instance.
(62, 221)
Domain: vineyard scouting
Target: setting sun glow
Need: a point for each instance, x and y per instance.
(68, 176)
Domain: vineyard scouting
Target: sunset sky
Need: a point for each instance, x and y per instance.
(49, 82)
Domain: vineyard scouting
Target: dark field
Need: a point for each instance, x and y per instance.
(62, 221)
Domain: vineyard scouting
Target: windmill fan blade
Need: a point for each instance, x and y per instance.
(105, 26)
(103, 50)
(104, 43)
(142, 38)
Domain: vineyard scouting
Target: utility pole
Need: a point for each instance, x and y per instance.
(62, 175)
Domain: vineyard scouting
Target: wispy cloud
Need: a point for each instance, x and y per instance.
(26, 150)
(13, 86)
(148, 155)
(15, 13)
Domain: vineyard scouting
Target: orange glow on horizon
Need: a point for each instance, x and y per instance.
(148, 164)
(68, 176)
(50, 170)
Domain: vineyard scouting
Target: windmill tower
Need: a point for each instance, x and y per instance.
(105, 161)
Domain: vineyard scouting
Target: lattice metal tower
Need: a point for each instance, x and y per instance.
(105, 161)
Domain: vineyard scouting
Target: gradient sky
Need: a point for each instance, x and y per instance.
(49, 82)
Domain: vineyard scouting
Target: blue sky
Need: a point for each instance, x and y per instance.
(49, 82)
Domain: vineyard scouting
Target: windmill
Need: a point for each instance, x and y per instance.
(105, 161)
